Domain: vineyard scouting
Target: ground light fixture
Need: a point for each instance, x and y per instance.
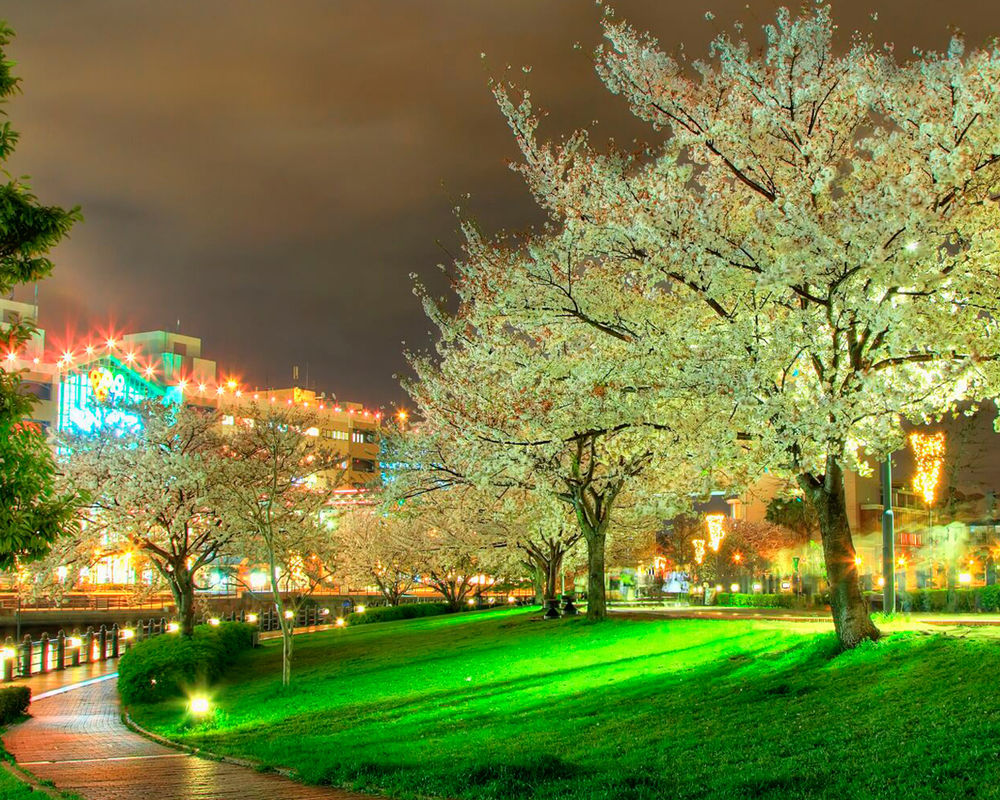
(472, 602)
(128, 633)
(74, 641)
(360, 609)
(340, 622)
(173, 627)
(289, 615)
(199, 705)
(734, 587)
(214, 621)
(511, 599)
(7, 652)
(252, 618)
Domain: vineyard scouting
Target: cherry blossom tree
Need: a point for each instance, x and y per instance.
(281, 480)
(823, 224)
(529, 399)
(156, 488)
(378, 548)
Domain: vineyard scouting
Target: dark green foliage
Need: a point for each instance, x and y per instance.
(985, 598)
(32, 513)
(392, 613)
(168, 665)
(14, 702)
(741, 600)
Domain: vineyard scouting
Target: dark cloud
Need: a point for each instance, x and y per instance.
(269, 173)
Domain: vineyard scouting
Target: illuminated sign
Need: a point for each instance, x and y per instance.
(103, 384)
(102, 397)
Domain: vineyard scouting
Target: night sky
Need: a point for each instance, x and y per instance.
(270, 173)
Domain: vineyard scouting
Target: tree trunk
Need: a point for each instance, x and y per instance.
(851, 617)
(286, 651)
(597, 603)
(182, 588)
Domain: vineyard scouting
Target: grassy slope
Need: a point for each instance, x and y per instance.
(501, 706)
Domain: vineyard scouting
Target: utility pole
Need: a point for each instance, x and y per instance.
(888, 540)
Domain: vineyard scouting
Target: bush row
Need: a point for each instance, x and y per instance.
(391, 613)
(755, 600)
(14, 702)
(985, 598)
(169, 665)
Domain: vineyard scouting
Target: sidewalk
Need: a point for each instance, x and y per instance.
(76, 739)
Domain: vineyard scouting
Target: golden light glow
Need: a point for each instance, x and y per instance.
(173, 627)
(716, 531)
(360, 609)
(699, 550)
(340, 622)
(252, 618)
(928, 450)
(199, 705)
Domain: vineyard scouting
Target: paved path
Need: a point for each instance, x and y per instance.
(76, 739)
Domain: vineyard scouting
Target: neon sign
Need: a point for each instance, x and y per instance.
(103, 384)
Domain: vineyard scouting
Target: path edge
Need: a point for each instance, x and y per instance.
(200, 752)
(31, 780)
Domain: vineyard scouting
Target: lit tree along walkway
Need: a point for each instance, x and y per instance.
(76, 739)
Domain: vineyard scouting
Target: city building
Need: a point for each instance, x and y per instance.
(89, 385)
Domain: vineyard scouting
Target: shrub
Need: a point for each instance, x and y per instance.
(167, 665)
(13, 703)
(392, 613)
(989, 598)
(741, 600)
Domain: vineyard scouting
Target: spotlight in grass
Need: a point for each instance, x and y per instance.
(734, 587)
(289, 615)
(512, 600)
(213, 621)
(252, 619)
(718, 587)
(325, 612)
(360, 610)
(199, 705)
(173, 627)
(472, 602)
(965, 577)
(757, 587)
(128, 633)
(340, 622)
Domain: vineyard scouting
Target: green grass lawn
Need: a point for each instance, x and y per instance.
(500, 705)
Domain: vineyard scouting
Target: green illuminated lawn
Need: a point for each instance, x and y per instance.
(501, 706)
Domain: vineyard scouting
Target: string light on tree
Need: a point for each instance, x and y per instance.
(699, 550)
(716, 531)
(928, 450)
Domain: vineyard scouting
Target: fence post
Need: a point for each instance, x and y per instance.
(163, 625)
(75, 659)
(26, 657)
(88, 644)
(61, 650)
(43, 661)
(102, 642)
(115, 633)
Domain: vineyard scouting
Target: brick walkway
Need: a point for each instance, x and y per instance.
(76, 739)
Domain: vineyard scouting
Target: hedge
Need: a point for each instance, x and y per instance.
(14, 702)
(167, 665)
(392, 613)
(742, 600)
(985, 598)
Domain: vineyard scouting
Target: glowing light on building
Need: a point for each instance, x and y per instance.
(928, 450)
(716, 530)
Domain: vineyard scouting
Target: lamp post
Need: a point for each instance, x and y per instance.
(888, 540)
